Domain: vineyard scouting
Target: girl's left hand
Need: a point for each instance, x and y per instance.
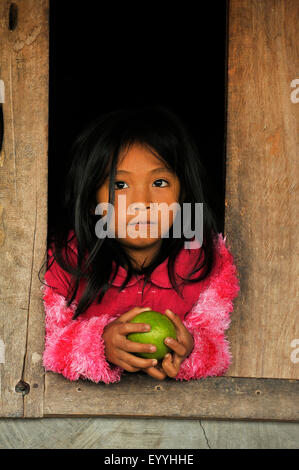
(182, 346)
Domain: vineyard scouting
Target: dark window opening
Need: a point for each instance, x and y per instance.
(113, 55)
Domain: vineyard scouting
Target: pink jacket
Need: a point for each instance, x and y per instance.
(75, 348)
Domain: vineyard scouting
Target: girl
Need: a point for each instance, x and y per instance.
(97, 281)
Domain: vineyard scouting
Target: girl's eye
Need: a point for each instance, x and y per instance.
(119, 182)
(122, 182)
(161, 180)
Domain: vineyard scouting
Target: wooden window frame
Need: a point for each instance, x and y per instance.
(25, 389)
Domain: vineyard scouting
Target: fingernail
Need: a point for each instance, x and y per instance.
(154, 362)
(153, 348)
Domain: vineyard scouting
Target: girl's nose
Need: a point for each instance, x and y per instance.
(139, 208)
(141, 199)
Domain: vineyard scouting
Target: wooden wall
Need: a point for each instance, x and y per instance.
(261, 217)
(23, 201)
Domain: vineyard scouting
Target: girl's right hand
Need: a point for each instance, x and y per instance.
(118, 347)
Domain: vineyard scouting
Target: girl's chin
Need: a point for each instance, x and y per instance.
(138, 242)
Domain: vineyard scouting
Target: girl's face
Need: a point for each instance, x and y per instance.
(141, 180)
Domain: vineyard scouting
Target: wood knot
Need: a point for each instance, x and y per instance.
(22, 387)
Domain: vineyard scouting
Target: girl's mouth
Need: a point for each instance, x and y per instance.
(143, 223)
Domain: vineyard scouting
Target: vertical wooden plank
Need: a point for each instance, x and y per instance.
(261, 216)
(23, 183)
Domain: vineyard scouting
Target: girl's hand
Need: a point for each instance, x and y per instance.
(118, 347)
(155, 371)
(182, 346)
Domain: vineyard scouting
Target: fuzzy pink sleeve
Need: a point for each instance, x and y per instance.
(73, 348)
(210, 317)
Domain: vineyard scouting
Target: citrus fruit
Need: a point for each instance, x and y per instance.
(161, 328)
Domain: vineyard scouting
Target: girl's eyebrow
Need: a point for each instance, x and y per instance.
(167, 170)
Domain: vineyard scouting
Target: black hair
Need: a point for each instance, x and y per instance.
(92, 156)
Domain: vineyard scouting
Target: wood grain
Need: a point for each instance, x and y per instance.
(23, 183)
(139, 395)
(260, 223)
(261, 216)
(137, 433)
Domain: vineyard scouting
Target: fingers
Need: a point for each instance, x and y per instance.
(177, 347)
(155, 372)
(184, 344)
(116, 343)
(131, 346)
(126, 328)
(171, 365)
(127, 367)
(126, 317)
(174, 318)
(138, 362)
(130, 363)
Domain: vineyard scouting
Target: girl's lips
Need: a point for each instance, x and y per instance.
(143, 223)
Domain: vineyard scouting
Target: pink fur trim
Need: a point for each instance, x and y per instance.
(75, 348)
(209, 318)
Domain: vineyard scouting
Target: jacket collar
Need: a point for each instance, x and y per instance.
(185, 260)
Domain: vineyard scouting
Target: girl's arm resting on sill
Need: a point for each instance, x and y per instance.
(208, 320)
(210, 355)
(75, 348)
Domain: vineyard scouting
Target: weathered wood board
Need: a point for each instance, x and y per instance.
(260, 330)
(23, 200)
(261, 218)
(139, 395)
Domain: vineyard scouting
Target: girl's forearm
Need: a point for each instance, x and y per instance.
(208, 320)
(75, 348)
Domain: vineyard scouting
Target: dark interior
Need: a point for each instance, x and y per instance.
(117, 54)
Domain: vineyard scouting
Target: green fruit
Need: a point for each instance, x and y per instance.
(161, 328)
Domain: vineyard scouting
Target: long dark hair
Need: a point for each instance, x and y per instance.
(92, 156)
